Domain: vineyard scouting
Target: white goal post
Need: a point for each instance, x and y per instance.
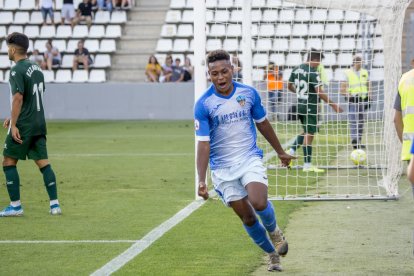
(282, 32)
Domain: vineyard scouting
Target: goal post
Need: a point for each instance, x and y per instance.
(283, 32)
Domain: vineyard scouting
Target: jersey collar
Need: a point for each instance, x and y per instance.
(222, 96)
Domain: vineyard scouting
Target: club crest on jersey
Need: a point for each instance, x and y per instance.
(241, 100)
(196, 124)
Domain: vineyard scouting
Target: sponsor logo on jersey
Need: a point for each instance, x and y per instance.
(13, 73)
(241, 100)
(5, 146)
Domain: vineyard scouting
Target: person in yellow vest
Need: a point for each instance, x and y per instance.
(274, 81)
(357, 90)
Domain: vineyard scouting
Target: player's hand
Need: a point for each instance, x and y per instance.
(16, 135)
(337, 108)
(6, 123)
(202, 190)
(286, 159)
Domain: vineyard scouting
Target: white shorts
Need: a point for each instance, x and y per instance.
(68, 11)
(230, 182)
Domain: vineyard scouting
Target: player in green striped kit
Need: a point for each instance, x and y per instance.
(306, 83)
(26, 136)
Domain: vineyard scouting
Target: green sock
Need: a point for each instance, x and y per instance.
(298, 142)
(12, 182)
(307, 153)
(50, 181)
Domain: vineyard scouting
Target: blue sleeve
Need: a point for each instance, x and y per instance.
(201, 122)
(412, 147)
(258, 111)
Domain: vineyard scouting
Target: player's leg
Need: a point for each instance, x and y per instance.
(361, 120)
(38, 152)
(300, 138)
(352, 119)
(310, 127)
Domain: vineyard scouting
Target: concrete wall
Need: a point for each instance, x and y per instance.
(113, 101)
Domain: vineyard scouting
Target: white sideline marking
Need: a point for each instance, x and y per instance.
(147, 240)
(151, 154)
(67, 241)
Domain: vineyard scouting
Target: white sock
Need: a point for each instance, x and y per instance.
(307, 165)
(16, 203)
(53, 202)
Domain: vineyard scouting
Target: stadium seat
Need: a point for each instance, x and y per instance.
(286, 74)
(40, 45)
(3, 31)
(260, 60)
(96, 31)
(188, 16)
(177, 4)
(64, 31)
(190, 4)
(217, 30)
(108, 46)
(300, 30)
(335, 15)
(72, 45)
(60, 44)
(329, 74)
(80, 76)
(286, 15)
(330, 44)
(1, 76)
(257, 3)
(80, 31)
(303, 15)
(15, 28)
(4, 48)
(315, 43)
(164, 45)
(101, 17)
(49, 75)
(59, 4)
(6, 18)
(47, 31)
(280, 45)
(257, 74)
(234, 30)
(21, 18)
(264, 44)
(316, 30)
(225, 4)
(267, 30)
(180, 45)
(329, 59)
(293, 60)
(92, 45)
(113, 31)
(118, 17)
(6, 76)
(97, 76)
(254, 30)
(297, 44)
(347, 44)
(332, 29)
(213, 44)
(278, 59)
(11, 5)
(377, 74)
(283, 30)
(211, 4)
(209, 16)
(236, 16)
(191, 49)
(185, 30)
(352, 16)
(30, 45)
(378, 60)
(27, 5)
(36, 18)
(31, 31)
(67, 61)
(222, 16)
(319, 15)
(173, 16)
(378, 43)
(376, 30)
(63, 76)
(168, 30)
(231, 44)
(256, 15)
(339, 75)
(274, 4)
(344, 59)
(4, 62)
(270, 15)
(349, 29)
(102, 61)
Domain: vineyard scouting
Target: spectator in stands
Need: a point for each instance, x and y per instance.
(38, 58)
(167, 69)
(153, 69)
(274, 80)
(84, 13)
(188, 69)
(237, 69)
(81, 57)
(68, 12)
(121, 4)
(46, 8)
(177, 72)
(105, 5)
(52, 56)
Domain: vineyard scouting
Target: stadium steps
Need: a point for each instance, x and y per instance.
(139, 39)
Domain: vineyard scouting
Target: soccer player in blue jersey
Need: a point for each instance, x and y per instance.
(225, 119)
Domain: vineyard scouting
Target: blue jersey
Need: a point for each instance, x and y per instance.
(228, 123)
(412, 147)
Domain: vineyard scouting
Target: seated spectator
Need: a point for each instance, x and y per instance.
(52, 56)
(68, 12)
(177, 72)
(46, 8)
(167, 69)
(153, 69)
(188, 70)
(38, 58)
(121, 4)
(105, 5)
(84, 13)
(81, 57)
(237, 69)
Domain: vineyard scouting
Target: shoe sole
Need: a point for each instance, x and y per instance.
(275, 268)
(15, 215)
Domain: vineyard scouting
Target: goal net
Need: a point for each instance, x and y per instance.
(272, 37)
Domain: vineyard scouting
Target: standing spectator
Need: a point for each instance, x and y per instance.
(237, 69)
(105, 5)
(153, 69)
(357, 91)
(38, 58)
(177, 72)
(274, 80)
(52, 56)
(167, 69)
(84, 13)
(47, 8)
(188, 69)
(68, 12)
(81, 57)
(121, 4)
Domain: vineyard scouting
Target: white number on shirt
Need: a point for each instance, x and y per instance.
(301, 89)
(38, 89)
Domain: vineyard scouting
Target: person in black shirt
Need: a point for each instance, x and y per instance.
(81, 57)
(84, 13)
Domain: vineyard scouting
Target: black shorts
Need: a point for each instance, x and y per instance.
(33, 147)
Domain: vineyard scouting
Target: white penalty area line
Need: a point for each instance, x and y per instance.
(66, 241)
(149, 154)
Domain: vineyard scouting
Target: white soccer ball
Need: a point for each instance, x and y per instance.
(359, 157)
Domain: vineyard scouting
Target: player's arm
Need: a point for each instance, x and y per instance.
(344, 88)
(269, 134)
(17, 102)
(398, 123)
(326, 99)
(291, 87)
(203, 153)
